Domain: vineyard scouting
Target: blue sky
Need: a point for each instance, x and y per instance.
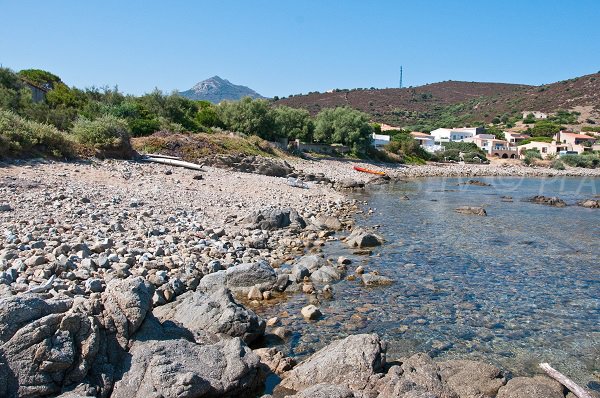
(289, 47)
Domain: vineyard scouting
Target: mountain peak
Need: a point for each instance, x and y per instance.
(217, 89)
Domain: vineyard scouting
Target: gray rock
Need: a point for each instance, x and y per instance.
(216, 313)
(376, 280)
(472, 379)
(349, 362)
(531, 387)
(271, 219)
(326, 391)
(34, 261)
(181, 368)
(362, 238)
(311, 312)
(328, 223)
(472, 210)
(418, 376)
(326, 274)
(240, 278)
(94, 285)
(5, 207)
(310, 262)
(548, 201)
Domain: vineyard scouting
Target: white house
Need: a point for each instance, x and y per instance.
(454, 135)
(380, 140)
(494, 147)
(426, 141)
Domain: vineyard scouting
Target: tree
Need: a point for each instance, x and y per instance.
(544, 128)
(207, 115)
(344, 126)
(252, 117)
(293, 123)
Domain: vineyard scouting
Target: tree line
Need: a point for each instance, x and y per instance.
(80, 111)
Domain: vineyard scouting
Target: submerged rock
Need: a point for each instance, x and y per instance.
(361, 238)
(473, 210)
(548, 201)
(376, 280)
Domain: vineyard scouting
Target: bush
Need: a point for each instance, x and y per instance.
(344, 126)
(108, 134)
(248, 116)
(24, 138)
(587, 160)
(293, 123)
(531, 155)
(557, 164)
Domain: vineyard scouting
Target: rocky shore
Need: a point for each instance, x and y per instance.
(130, 279)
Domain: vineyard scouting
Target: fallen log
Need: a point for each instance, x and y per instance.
(43, 287)
(174, 162)
(565, 381)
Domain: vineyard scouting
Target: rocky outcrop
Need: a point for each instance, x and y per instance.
(362, 238)
(181, 368)
(590, 204)
(324, 390)
(472, 379)
(548, 201)
(531, 387)
(216, 313)
(56, 344)
(272, 219)
(251, 164)
(472, 210)
(349, 362)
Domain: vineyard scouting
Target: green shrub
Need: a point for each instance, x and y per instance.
(108, 134)
(557, 164)
(588, 160)
(20, 137)
(531, 155)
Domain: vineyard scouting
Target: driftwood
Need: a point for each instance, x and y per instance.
(174, 162)
(43, 287)
(565, 381)
(158, 155)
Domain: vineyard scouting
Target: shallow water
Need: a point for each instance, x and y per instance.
(516, 288)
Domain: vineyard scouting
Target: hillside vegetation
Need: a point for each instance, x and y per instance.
(452, 103)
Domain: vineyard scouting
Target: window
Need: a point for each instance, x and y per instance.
(544, 150)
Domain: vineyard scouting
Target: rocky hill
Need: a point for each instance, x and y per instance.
(454, 102)
(217, 89)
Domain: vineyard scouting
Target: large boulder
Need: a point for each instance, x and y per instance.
(328, 223)
(349, 362)
(326, 391)
(271, 219)
(363, 238)
(182, 368)
(418, 376)
(240, 278)
(326, 274)
(216, 313)
(472, 379)
(531, 387)
(54, 344)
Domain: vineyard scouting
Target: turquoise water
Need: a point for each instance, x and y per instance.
(516, 288)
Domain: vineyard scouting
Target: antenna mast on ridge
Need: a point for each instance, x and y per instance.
(400, 77)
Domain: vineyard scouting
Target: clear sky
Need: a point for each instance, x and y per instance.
(282, 47)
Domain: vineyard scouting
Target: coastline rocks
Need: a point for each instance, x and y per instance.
(326, 274)
(349, 362)
(251, 164)
(548, 201)
(471, 378)
(324, 390)
(328, 223)
(590, 204)
(216, 313)
(531, 387)
(240, 278)
(472, 210)
(181, 368)
(375, 280)
(271, 219)
(5, 207)
(477, 183)
(275, 360)
(362, 238)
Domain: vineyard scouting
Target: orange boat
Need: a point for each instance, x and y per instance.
(381, 173)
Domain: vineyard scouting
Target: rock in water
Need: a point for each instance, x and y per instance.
(548, 201)
(531, 387)
(362, 238)
(311, 312)
(473, 210)
(349, 362)
(376, 280)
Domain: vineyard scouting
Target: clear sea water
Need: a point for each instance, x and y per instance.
(516, 288)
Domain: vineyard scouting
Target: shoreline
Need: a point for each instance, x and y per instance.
(162, 224)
